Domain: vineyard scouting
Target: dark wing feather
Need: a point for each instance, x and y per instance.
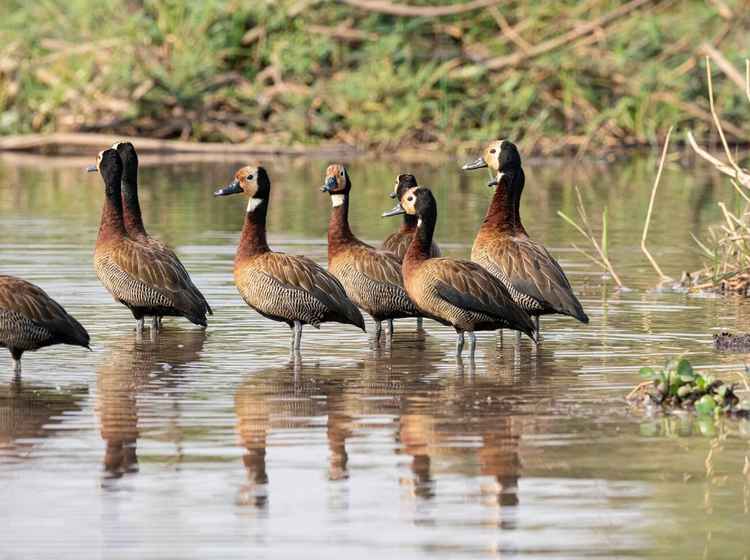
(151, 267)
(467, 285)
(533, 271)
(302, 273)
(32, 302)
(168, 253)
(380, 266)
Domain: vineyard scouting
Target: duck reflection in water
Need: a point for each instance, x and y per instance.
(29, 412)
(126, 374)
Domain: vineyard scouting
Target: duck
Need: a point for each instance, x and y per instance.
(30, 320)
(134, 221)
(287, 288)
(372, 278)
(453, 292)
(398, 242)
(535, 280)
(134, 273)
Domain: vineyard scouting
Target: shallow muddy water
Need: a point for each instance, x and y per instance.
(198, 444)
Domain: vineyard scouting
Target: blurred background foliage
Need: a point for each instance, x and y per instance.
(305, 72)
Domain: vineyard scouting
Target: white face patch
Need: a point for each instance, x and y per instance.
(419, 222)
(337, 200)
(253, 203)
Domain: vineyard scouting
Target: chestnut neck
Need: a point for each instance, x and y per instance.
(504, 211)
(111, 225)
(253, 238)
(339, 233)
(131, 206)
(420, 248)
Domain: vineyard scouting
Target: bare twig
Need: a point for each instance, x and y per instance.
(663, 277)
(384, 7)
(587, 232)
(709, 51)
(558, 42)
(743, 178)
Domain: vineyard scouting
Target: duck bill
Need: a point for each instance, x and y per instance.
(329, 185)
(91, 169)
(232, 188)
(476, 164)
(396, 211)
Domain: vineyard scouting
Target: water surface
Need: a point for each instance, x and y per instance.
(212, 443)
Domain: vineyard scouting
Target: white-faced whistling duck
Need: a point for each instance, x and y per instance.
(30, 319)
(134, 222)
(533, 277)
(137, 275)
(453, 292)
(371, 278)
(291, 289)
(398, 242)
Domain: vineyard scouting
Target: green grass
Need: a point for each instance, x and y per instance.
(226, 70)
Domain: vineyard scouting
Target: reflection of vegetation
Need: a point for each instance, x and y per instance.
(679, 386)
(292, 71)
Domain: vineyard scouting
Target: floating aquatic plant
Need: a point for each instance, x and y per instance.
(678, 386)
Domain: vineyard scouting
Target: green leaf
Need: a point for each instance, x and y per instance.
(647, 373)
(705, 405)
(685, 370)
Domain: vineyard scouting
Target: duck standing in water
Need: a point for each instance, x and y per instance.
(453, 292)
(533, 277)
(30, 320)
(371, 278)
(134, 222)
(137, 275)
(398, 242)
(286, 288)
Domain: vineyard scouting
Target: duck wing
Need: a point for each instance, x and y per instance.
(527, 268)
(467, 285)
(302, 273)
(33, 303)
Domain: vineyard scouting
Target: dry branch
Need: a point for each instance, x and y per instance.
(552, 44)
(707, 49)
(663, 277)
(68, 141)
(383, 7)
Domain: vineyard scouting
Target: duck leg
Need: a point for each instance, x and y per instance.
(472, 344)
(155, 323)
(378, 331)
(459, 343)
(419, 324)
(297, 336)
(16, 355)
(389, 332)
(536, 325)
(139, 326)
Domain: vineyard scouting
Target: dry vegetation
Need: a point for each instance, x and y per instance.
(590, 76)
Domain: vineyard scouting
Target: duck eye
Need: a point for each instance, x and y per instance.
(342, 173)
(250, 177)
(493, 150)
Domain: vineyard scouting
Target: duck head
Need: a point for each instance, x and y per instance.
(251, 181)
(108, 165)
(417, 201)
(501, 157)
(337, 184)
(129, 158)
(403, 183)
